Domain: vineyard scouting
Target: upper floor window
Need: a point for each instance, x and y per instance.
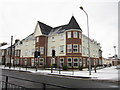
(80, 36)
(80, 48)
(61, 49)
(41, 50)
(37, 39)
(75, 34)
(37, 49)
(68, 34)
(53, 38)
(69, 48)
(75, 48)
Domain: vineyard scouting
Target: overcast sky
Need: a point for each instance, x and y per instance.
(19, 18)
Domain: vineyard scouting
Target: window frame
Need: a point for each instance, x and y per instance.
(69, 34)
(75, 34)
(37, 39)
(69, 48)
(75, 61)
(42, 48)
(80, 48)
(80, 35)
(61, 62)
(41, 61)
(53, 39)
(75, 48)
(61, 48)
(69, 62)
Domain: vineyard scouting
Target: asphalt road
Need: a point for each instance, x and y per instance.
(62, 81)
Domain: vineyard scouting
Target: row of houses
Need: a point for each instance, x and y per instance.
(68, 41)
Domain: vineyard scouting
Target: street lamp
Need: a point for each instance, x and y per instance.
(114, 49)
(88, 41)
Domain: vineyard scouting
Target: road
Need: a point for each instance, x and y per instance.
(68, 82)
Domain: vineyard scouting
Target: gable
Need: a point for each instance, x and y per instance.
(37, 31)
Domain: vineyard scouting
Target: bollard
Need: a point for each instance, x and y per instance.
(6, 82)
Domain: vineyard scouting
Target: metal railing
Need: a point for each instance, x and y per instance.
(6, 85)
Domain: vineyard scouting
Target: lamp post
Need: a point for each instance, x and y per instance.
(88, 41)
(11, 51)
(114, 49)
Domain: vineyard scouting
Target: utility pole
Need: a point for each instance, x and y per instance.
(10, 52)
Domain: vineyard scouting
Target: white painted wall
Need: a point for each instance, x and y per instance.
(56, 44)
(94, 47)
(27, 47)
(37, 31)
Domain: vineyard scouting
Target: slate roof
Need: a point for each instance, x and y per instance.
(47, 30)
(71, 25)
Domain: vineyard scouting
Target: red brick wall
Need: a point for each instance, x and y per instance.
(73, 41)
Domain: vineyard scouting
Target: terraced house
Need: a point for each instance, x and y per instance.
(69, 43)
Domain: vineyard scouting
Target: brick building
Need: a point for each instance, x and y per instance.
(69, 43)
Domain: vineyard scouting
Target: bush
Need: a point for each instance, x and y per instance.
(65, 67)
(80, 68)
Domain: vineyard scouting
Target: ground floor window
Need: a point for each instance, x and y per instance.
(41, 61)
(80, 61)
(69, 62)
(61, 62)
(75, 62)
(94, 61)
(25, 62)
(84, 62)
(32, 62)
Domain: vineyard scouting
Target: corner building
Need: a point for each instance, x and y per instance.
(69, 43)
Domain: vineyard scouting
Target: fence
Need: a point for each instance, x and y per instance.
(6, 85)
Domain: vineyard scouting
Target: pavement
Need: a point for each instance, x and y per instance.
(104, 74)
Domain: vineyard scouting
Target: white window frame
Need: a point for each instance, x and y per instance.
(37, 49)
(75, 34)
(61, 62)
(80, 61)
(41, 61)
(74, 62)
(32, 62)
(41, 50)
(84, 62)
(68, 34)
(68, 62)
(69, 48)
(62, 49)
(74, 51)
(53, 38)
(37, 39)
(80, 48)
(80, 35)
